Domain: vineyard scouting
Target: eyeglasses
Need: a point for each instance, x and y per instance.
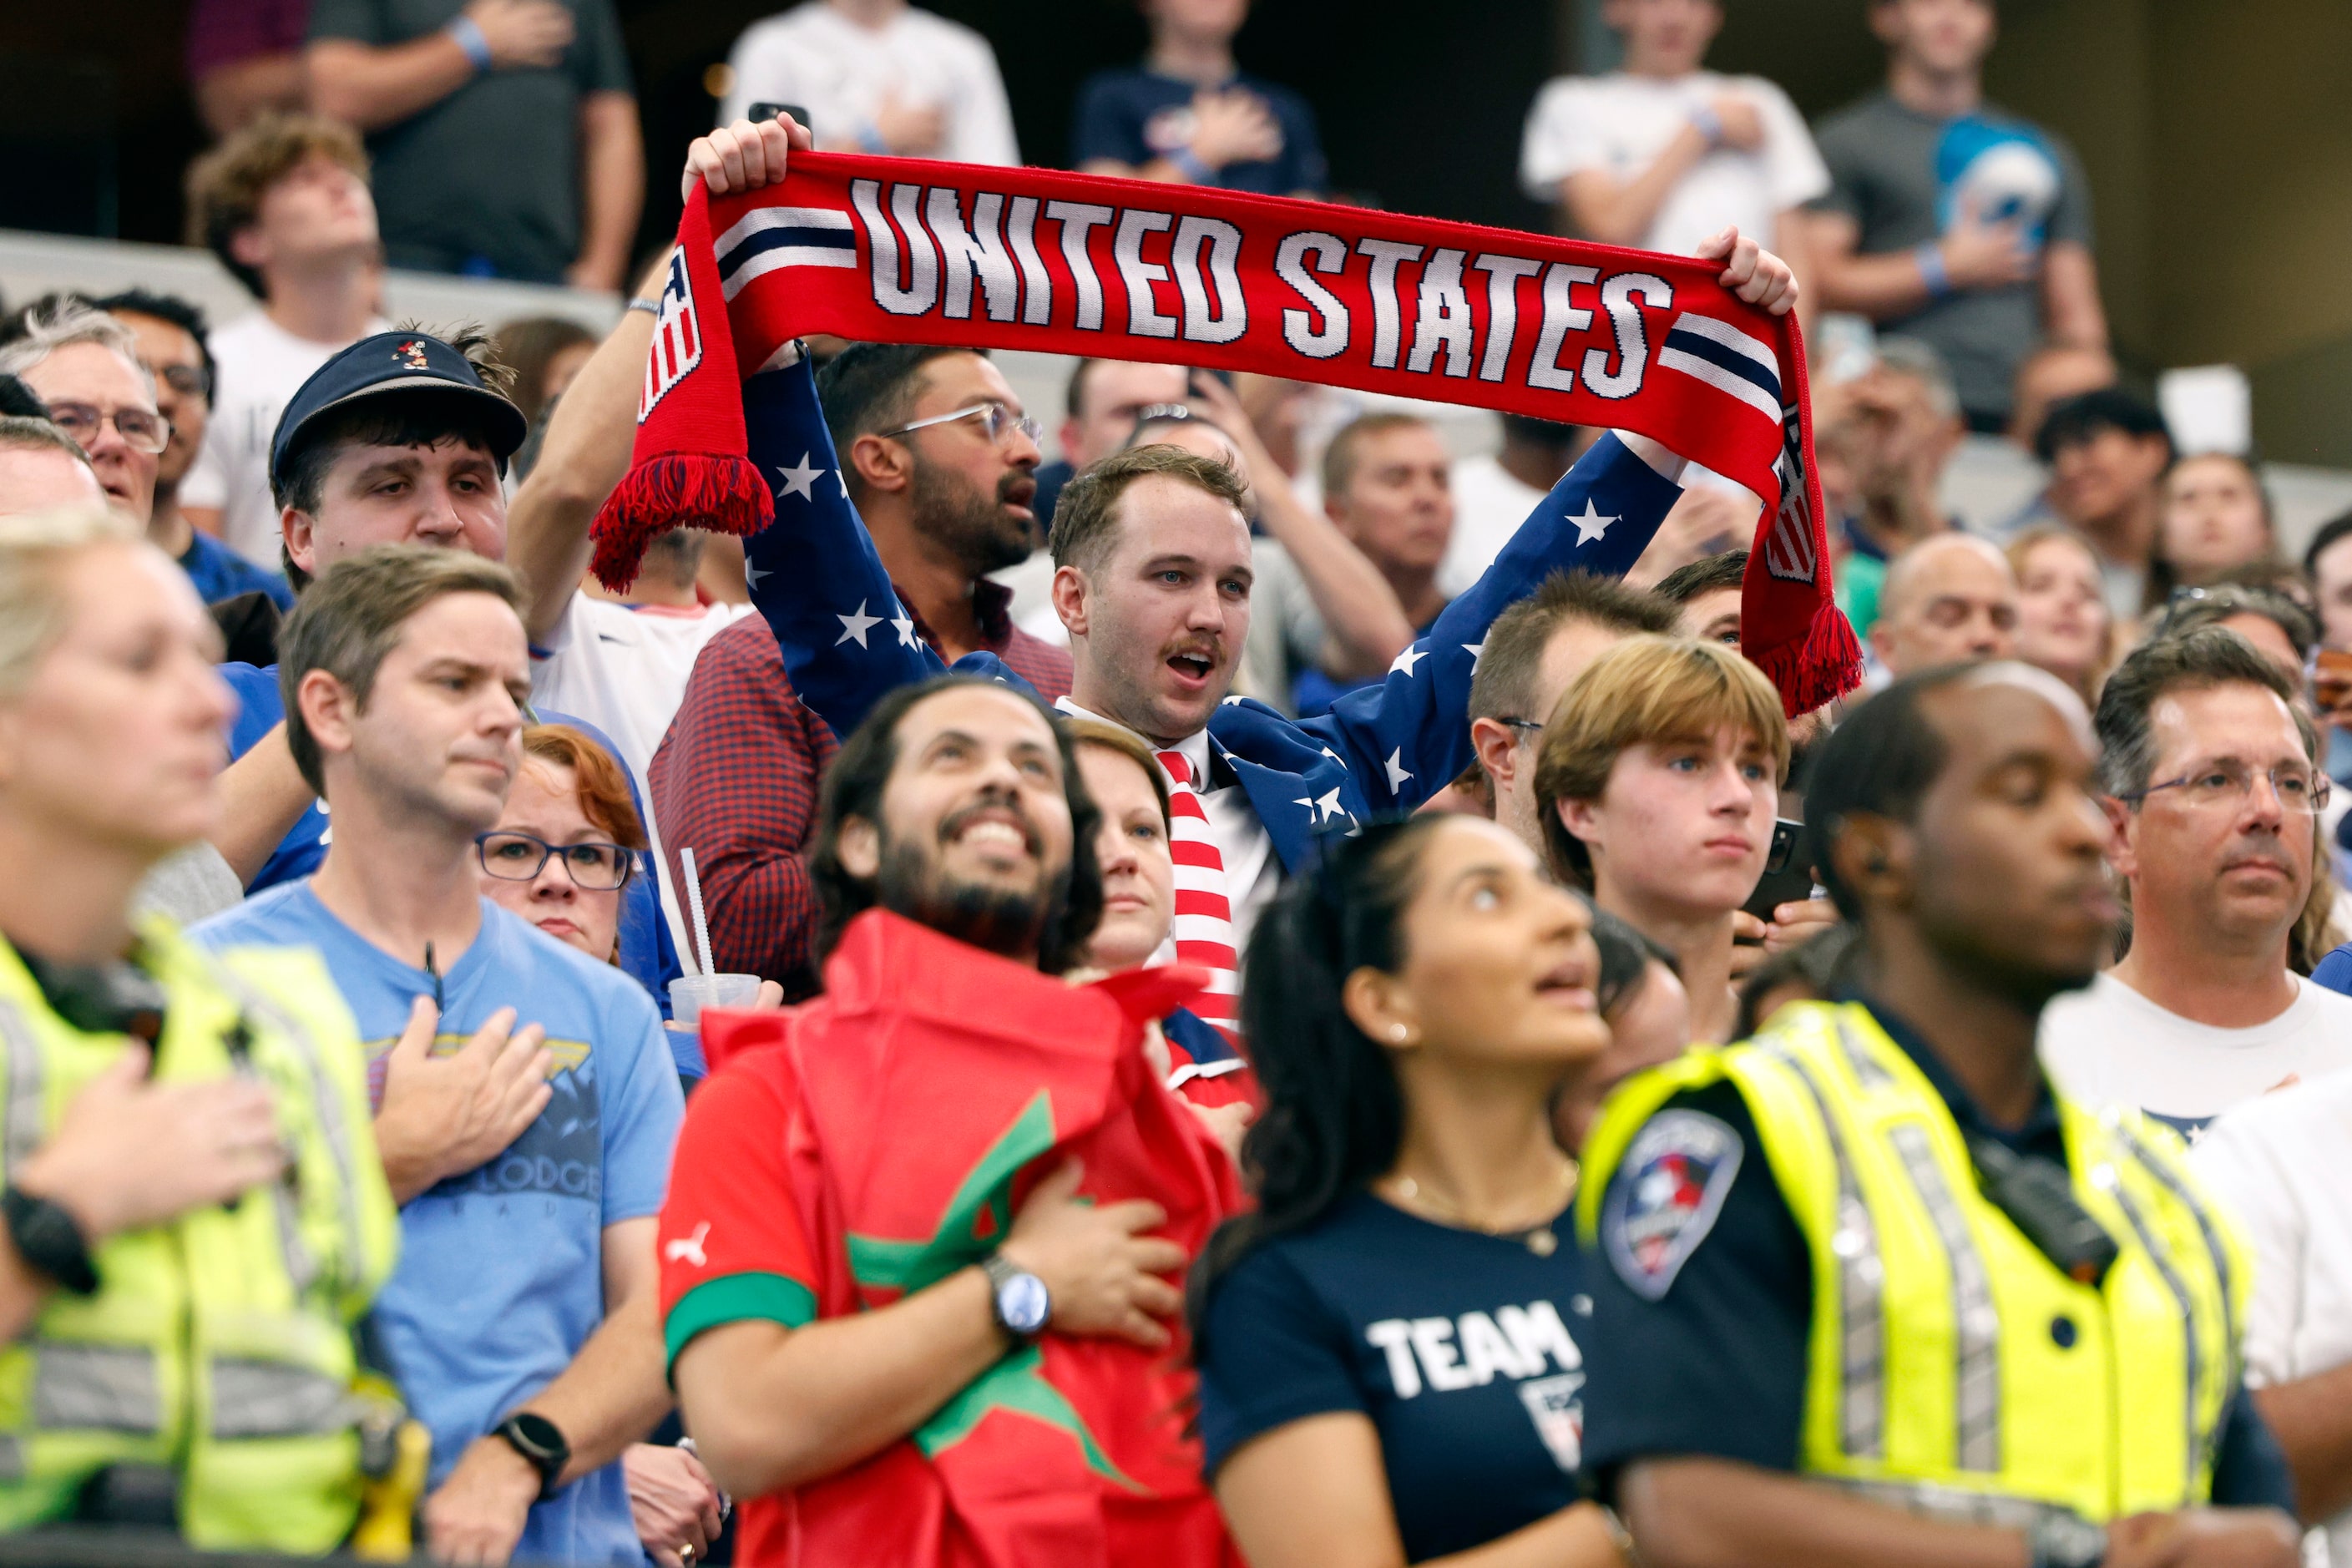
(513, 856)
(994, 416)
(1524, 726)
(140, 430)
(2299, 790)
(187, 380)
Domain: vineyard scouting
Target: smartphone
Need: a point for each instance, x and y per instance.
(1782, 882)
(765, 110)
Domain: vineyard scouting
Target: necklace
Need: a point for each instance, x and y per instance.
(1538, 1237)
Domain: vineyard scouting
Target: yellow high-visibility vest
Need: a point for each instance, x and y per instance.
(219, 1344)
(1954, 1369)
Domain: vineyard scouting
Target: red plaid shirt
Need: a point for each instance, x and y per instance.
(736, 782)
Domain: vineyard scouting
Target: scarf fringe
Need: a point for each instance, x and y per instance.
(721, 492)
(1823, 667)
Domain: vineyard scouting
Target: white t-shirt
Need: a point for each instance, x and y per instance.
(259, 366)
(2110, 1045)
(1488, 507)
(2278, 1162)
(624, 670)
(1618, 125)
(840, 71)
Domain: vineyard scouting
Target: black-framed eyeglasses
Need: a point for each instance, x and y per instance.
(1524, 726)
(2299, 790)
(141, 429)
(187, 380)
(995, 417)
(513, 856)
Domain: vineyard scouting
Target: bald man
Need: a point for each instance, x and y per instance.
(41, 468)
(1949, 599)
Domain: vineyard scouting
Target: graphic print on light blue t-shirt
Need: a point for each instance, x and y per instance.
(2001, 170)
(501, 1277)
(1459, 1347)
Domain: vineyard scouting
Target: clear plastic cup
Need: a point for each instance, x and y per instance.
(690, 993)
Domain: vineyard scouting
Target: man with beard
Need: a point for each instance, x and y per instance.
(915, 1246)
(1866, 1290)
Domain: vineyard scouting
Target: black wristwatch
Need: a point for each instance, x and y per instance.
(2060, 1540)
(1016, 1298)
(536, 1438)
(50, 1240)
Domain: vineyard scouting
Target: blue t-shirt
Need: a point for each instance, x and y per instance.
(500, 1278)
(1457, 1345)
(1135, 115)
(220, 572)
(647, 953)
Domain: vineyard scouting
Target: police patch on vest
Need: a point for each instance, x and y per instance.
(1670, 1188)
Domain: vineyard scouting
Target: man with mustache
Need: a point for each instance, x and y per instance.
(913, 1313)
(529, 1144)
(2213, 797)
(1865, 1289)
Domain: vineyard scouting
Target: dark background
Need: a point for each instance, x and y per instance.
(1421, 102)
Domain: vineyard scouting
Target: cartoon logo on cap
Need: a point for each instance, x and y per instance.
(411, 355)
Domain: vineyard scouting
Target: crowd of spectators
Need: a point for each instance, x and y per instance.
(300, 654)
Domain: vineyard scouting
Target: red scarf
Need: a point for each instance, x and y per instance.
(893, 250)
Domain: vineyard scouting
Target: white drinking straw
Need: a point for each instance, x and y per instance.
(694, 902)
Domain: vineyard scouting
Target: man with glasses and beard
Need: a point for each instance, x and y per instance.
(913, 1313)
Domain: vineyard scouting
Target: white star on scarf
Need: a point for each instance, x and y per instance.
(1407, 659)
(751, 575)
(905, 626)
(1398, 773)
(1474, 649)
(855, 625)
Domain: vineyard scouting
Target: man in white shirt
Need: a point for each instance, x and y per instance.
(2213, 797)
(2278, 1162)
(284, 206)
(876, 76)
(1662, 154)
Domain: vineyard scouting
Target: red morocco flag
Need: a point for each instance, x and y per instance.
(894, 250)
(880, 1139)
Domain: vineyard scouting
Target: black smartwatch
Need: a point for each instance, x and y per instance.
(50, 1240)
(1016, 1298)
(536, 1438)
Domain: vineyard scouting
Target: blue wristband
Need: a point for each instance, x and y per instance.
(869, 137)
(1929, 258)
(1189, 165)
(468, 36)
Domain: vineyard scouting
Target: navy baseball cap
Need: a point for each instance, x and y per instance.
(390, 362)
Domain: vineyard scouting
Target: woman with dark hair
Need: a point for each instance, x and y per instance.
(1388, 1366)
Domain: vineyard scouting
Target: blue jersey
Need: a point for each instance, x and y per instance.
(1460, 1347)
(1135, 115)
(501, 1279)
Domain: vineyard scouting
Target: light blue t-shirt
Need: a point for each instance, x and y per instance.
(500, 1278)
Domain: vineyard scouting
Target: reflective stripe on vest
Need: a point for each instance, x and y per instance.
(273, 1399)
(24, 1120)
(96, 1388)
(1953, 1369)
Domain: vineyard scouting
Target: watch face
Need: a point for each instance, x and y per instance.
(1022, 1302)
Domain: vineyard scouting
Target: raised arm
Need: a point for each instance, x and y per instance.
(1410, 735)
(611, 189)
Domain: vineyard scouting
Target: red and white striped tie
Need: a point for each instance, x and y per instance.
(1205, 911)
